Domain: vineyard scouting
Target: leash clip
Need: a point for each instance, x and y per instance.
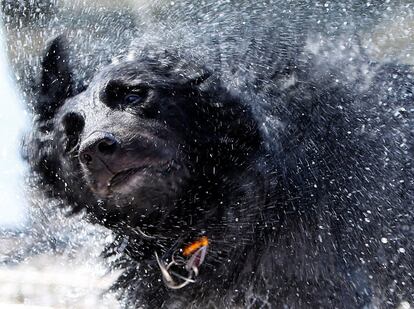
(194, 255)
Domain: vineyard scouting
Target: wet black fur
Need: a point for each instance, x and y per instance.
(295, 207)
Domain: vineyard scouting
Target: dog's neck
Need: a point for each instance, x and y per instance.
(206, 210)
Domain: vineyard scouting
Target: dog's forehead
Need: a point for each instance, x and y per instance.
(123, 71)
(132, 73)
(151, 70)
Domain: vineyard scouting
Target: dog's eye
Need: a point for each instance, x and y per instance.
(133, 99)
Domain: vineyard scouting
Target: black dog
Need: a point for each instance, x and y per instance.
(293, 208)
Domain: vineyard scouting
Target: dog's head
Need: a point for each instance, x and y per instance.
(144, 131)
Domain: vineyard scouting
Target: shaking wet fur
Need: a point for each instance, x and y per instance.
(294, 179)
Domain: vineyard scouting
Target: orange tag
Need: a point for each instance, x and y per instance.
(191, 248)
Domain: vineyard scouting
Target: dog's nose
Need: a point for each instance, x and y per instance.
(98, 146)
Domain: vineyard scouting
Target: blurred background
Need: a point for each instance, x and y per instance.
(58, 265)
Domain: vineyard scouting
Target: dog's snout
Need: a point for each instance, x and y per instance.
(98, 146)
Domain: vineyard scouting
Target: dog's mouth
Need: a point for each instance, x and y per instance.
(131, 179)
(125, 176)
(107, 184)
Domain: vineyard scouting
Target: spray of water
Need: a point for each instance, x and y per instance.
(250, 44)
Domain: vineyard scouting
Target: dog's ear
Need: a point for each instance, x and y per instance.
(200, 77)
(55, 84)
(204, 79)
